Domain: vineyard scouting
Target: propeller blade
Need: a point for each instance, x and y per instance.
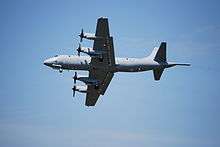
(81, 35)
(79, 49)
(75, 77)
(74, 90)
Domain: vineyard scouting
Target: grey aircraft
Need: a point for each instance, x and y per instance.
(102, 64)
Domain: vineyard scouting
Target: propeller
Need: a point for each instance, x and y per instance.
(74, 90)
(79, 49)
(75, 77)
(81, 35)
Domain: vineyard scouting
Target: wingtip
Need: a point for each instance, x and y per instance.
(103, 17)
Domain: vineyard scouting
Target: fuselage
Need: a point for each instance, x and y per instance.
(73, 62)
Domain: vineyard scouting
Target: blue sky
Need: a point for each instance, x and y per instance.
(182, 109)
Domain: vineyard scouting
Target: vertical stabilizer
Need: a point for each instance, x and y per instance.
(161, 53)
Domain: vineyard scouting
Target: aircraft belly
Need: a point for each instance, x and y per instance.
(132, 68)
(76, 67)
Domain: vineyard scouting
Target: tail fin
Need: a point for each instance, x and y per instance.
(159, 54)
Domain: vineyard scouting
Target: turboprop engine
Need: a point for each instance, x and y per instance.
(88, 36)
(81, 89)
(86, 80)
(89, 51)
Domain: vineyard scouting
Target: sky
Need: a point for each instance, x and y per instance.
(36, 104)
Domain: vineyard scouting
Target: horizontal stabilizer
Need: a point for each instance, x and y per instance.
(157, 73)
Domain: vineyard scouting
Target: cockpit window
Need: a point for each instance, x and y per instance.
(56, 56)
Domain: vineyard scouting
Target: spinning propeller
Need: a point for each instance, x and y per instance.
(74, 87)
(74, 90)
(79, 49)
(81, 35)
(75, 77)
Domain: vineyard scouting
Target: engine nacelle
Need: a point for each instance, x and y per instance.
(88, 36)
(79, 88)
(92, 53)
(89, 81)
(86, 80)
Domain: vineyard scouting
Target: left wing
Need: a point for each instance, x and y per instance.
(101, 69)
(103, 43)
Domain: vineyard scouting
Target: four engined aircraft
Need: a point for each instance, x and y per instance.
(102, 64)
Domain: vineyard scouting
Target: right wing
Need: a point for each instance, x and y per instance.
(94, 92)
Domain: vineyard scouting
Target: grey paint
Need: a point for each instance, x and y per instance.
(102, 64)
(72, 62)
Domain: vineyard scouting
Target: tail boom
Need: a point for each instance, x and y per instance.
(171, 64)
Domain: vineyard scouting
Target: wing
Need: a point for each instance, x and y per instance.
(103, 43)
(101, 69)
(94, 92)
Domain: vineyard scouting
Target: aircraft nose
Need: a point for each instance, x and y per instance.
(47, 62)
